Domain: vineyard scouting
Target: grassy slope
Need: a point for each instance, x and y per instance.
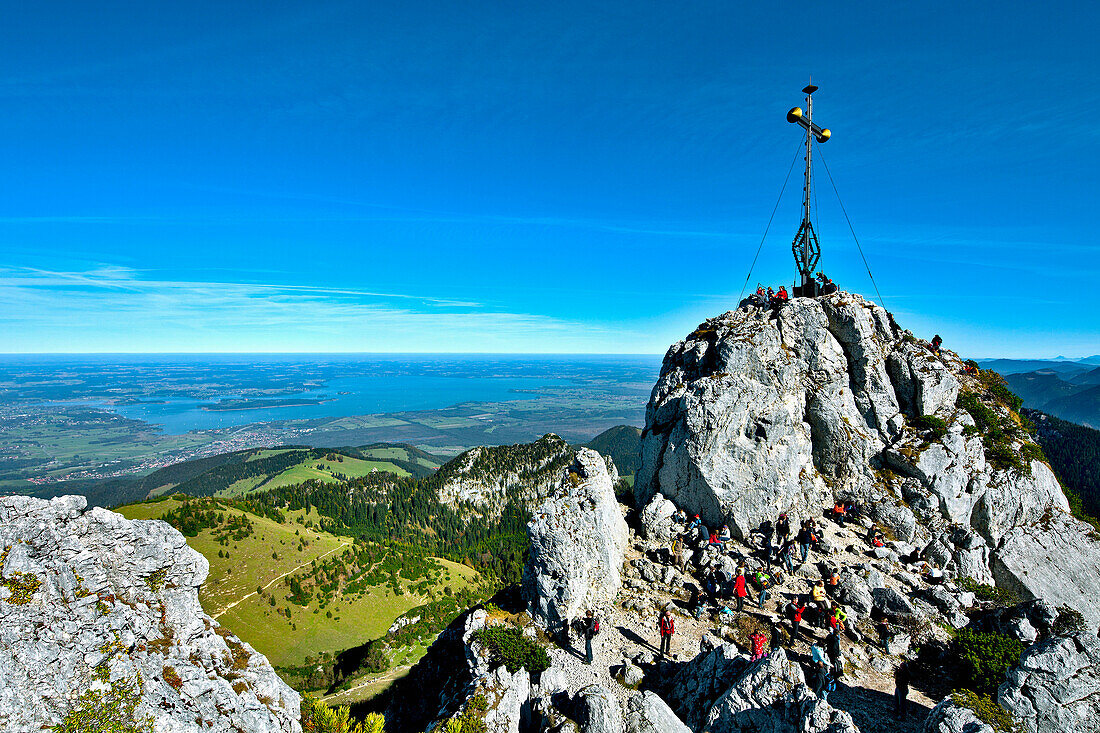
(307, 469)
(355, 620)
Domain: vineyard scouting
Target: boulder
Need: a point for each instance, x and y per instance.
(892, 603)
(97, 611)
(646, 712)
(698, 683)
(1056, 686)
(950, 717)
(598, 710)
(578, 538)
(771, 695)
(656, 519)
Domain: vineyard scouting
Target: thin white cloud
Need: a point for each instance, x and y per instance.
(112, 308)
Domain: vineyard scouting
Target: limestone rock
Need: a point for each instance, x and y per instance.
(760, 411)
(94, 605)
(488, 476)
(950, 717)
(1055, 561)
(701, 681)
(598, 710)
(506, 695)
(646, 712)
(578, 538)
(1056, 686)
(771, 695)
(656, 519)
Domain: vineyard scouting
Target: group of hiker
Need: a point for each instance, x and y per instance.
(727, 583)
(768, 298)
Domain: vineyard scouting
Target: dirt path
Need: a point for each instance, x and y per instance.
(277, 579)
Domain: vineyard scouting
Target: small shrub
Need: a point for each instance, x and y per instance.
(107, 711)
(172, 677)
(983, 659)
(987, 710)
(508, 646)
(934, 427)
(999, 597)
(318, 717)
(22, 586)
(1070, 622)
(1001, 455)
(155, 580)
(1032, 452)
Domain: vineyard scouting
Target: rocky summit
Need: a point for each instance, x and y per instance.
(761, 411)
(101, 629)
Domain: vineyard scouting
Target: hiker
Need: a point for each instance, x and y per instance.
(589, 627)
(936, 341)
(778, 637)
(832, 647)
(796, 618)
(695, 523)
(724, 536)
(838, 618)
(839, 511)
(667, 626)
(817, 593)
(782, 529)
(681, 558)
(695, 603)
(805, 539)
(817, 655)
(713, 541)
(934, 575)
(832, 580)
(901, 688)
(781, 296)
(759, 646)
(878, 540)
(766, 532)
(771, 296)
(739, 588)
(762, 581)
(787, 555)
(883, 629)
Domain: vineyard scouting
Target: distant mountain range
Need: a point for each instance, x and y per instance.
(1065, 388)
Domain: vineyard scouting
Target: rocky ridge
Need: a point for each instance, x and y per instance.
(486, 478)
(100, 620)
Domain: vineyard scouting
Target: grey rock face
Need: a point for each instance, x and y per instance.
(762, 411)
(1053, 561)
(578, 537)
(1056, 685)
(646, 712)
(95, 604)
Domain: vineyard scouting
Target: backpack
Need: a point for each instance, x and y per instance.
(595, 626)
(830, 684)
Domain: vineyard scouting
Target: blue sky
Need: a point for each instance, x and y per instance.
(535, 177)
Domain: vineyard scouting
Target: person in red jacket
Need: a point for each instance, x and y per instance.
(758, 641)
(667, 626)
(739, 589)
(796, 619)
